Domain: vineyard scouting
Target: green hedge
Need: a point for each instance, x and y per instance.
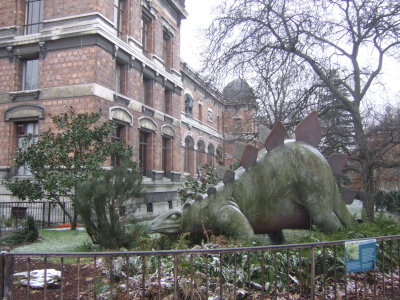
(388, 200)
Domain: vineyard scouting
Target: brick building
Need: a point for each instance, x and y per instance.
(122, 57)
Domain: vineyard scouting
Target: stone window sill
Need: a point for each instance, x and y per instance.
(29, 95)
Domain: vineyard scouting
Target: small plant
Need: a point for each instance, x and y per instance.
(192, 186)
(28, 233)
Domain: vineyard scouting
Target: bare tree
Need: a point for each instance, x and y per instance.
(352, 37)
(283, 93)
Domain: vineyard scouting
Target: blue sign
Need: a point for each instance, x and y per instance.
(360, 255)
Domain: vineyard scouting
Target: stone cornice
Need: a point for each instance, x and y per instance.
(83, 30)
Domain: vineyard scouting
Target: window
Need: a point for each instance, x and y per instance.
(170, 206)
(118, 68)
(146, 31)
(117, 135)
(147, 91)
(210, 115)
(168, 101)
(25, 130)
(201, 154)
(188, 157)
(210, 156)
(218, 122)
(200, 112)
(30, 74)
(120, 78)
(167, 50)
(149, 207)
(118, 14)
(34, 16)
(143, 145)
(166, 154)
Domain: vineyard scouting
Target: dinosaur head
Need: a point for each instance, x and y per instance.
(171, 222)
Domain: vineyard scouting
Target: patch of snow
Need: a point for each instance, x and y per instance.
(66, 228)
(36, 278)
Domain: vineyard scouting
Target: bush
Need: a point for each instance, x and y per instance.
(388, 200)
(28, 233)
(99, 201)
(192, 187)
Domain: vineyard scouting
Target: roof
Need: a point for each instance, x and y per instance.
(238, 91)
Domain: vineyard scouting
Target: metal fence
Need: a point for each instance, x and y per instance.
(300, 271)
(13, 214)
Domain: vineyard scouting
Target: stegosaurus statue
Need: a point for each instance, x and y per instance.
(288, 185)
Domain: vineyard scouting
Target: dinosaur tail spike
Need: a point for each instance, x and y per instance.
(276, 137)
(249, 157)
(309, 130)
(229, 176)
(263, 133)
(238, 149)
(337, 162)
(348, 196)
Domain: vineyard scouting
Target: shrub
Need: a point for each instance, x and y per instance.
(28, 233)
(100, 199)
(192, 186)
(388, 200)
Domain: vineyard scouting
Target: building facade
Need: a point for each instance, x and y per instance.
(121, 57)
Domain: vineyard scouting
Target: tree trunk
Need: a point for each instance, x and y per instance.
(75, 220)
(369, 194)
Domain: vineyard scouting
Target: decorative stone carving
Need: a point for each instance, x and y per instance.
(147, 123)
(42, 52)
(120, 114)
(168, 131)
(11, 55)
(189, 104)
(24, 112)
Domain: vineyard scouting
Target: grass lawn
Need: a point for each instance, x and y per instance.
(58, 241)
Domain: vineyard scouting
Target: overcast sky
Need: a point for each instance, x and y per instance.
(200, 17)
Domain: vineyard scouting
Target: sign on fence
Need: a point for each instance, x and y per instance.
(360, 255)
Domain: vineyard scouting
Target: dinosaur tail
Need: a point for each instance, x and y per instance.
(340, 209)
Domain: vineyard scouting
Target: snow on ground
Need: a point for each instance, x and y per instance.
(355, 208)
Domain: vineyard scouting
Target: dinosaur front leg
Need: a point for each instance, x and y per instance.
(231, 221)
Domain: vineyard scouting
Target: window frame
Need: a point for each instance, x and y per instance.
(32, 13)
(143, 151)
(146, 33)
(167, 53)
(118, 134)
(30, 69)
(118, 16)
(21, 136)
(148, 91)
(168, 94)
(166, 151)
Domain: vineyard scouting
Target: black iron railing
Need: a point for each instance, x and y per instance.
(300, 271)
(13, 214)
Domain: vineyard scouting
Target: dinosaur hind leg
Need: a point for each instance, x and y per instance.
(340, 209)
(321, 212)
(277, 237)
(327, 222)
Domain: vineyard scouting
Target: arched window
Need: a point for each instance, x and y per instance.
(211, 155)
(219, 154)
(189, 155)
(201, 154)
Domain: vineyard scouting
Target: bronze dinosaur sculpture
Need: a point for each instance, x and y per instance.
(289, 185)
